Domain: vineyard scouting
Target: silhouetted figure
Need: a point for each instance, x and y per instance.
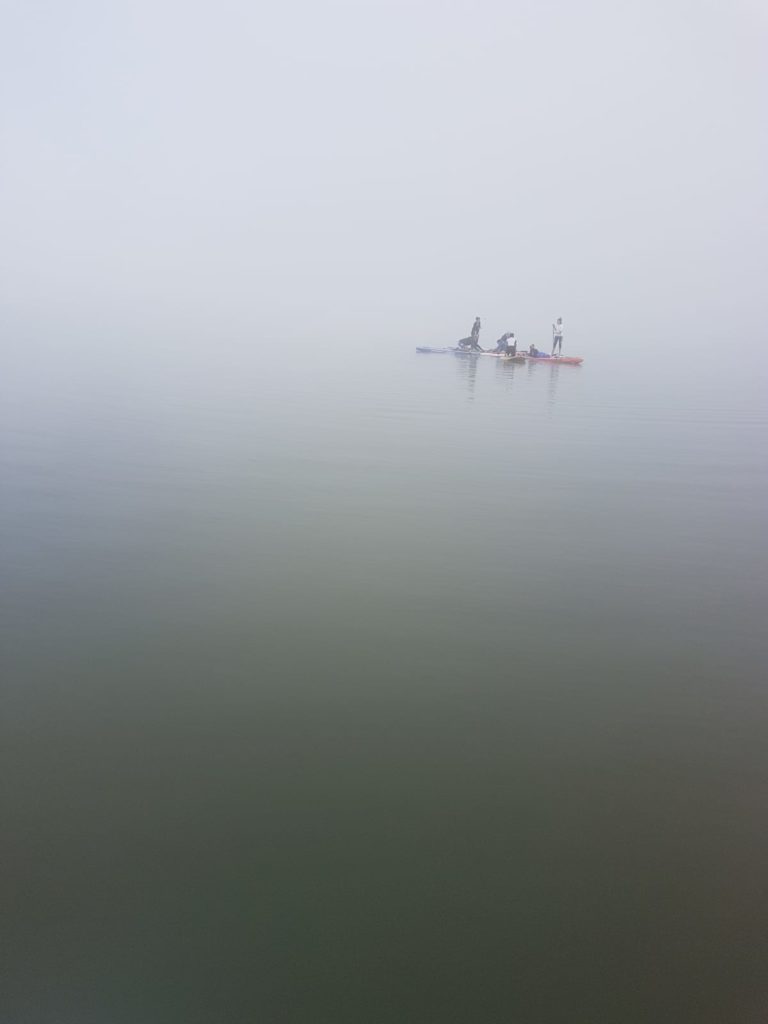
(475, 334)
(472, 343)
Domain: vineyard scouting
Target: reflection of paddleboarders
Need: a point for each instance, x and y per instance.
(557, 336)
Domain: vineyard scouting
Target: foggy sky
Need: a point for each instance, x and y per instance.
(385, 169)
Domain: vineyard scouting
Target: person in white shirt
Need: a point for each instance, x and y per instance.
(557, 336)
(506, 345)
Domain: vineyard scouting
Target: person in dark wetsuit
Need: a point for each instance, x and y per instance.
(475, 335)
(472, 343)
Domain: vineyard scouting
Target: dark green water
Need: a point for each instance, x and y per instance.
(383, 688)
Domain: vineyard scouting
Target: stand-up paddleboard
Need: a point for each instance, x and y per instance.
(567, 360)
(519, 358)
(451, 348)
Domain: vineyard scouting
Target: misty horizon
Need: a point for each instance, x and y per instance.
(384, 169)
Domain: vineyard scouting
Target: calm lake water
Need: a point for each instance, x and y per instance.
(376, 687)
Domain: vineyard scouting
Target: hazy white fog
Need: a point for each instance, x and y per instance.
(383, 170)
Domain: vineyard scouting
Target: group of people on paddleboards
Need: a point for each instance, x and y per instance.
(507, 343)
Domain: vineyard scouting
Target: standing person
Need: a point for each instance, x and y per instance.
(475, 335)
(557, 336)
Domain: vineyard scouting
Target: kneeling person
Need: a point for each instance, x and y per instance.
(502, 345)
